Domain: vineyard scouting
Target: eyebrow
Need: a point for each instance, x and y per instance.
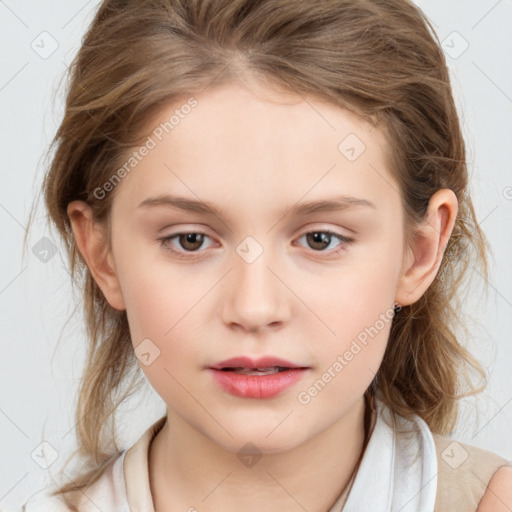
(333, 204)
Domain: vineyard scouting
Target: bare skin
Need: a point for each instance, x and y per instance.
(498, 494)
(255, 153)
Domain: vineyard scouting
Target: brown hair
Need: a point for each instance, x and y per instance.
(378, 58)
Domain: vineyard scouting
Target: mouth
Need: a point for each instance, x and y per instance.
(272, 370)
(265, 377)
(265, 363)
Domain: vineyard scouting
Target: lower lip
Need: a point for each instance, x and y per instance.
(256, 386)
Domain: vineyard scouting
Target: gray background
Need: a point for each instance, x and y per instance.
(39, 379)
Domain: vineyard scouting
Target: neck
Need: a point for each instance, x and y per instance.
(188, 469)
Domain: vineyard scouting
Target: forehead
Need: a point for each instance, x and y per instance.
(258, 148)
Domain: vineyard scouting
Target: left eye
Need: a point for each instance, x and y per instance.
(318, 239)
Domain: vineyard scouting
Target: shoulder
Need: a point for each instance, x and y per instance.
(466, 473)
(498, 494)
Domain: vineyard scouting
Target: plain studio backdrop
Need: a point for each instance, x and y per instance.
(39, 380)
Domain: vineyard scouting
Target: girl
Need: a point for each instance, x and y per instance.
(269, 204)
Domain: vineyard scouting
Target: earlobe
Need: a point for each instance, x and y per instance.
(90, 240)
(431, 238)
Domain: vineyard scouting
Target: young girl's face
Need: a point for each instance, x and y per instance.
(266, 280)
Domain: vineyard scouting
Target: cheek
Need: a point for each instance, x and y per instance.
(356, 312)
(163, 310)
(359, 314)
(353, 298)
(156, 291)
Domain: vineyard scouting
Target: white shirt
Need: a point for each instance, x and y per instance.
(398, 472)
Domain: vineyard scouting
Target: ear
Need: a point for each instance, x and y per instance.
(423, 259)
(91, 242)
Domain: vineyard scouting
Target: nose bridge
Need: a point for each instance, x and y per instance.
(256, 294)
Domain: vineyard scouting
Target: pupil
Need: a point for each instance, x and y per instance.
(318, 237)
(195, 239)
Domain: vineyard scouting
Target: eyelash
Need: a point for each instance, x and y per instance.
(181, 254)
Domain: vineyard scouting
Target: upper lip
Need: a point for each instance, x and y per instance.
(249, 362)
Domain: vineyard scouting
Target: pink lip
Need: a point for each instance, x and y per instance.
(256, 386)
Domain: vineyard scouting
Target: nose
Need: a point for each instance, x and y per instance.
(256, 299)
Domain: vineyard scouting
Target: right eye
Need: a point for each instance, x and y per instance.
(189, 241)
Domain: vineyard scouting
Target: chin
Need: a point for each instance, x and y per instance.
(251, 436)
(253, 445)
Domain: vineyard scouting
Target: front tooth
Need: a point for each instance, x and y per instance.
(259, 371)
